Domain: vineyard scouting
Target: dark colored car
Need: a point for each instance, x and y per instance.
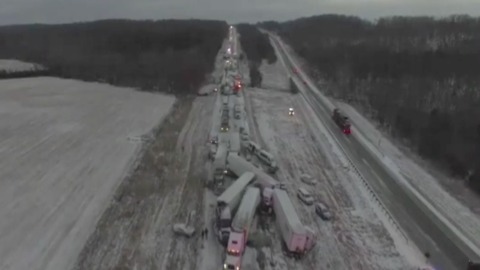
(323, 211)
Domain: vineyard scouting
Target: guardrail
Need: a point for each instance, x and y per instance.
(369, 189)
(460, 251)
(367, 186)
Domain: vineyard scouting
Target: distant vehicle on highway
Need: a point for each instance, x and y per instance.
(305, 196)
(214, 140)
(342, 121)
(295, 70)
(224, 127)
(323, 211)
(291, 112)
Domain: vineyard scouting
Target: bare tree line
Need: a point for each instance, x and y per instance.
(167, 55)
(417, 76)
(257, 47)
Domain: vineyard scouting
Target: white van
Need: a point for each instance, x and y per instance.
(305, 196)
(268, 159)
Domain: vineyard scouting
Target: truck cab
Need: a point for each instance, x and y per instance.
(223, 223)
(232, 262)
(342, 121)
(236, 244)
(267, 200)
(224, 127)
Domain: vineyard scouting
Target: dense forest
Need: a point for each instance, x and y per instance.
(419, 77)
(257, 47)
(167, 55)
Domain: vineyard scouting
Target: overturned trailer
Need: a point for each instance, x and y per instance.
(238, 165)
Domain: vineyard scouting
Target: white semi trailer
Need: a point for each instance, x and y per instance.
(297, 239)
(219, 163)
(238, 165)
(241, 226)
(234, 142)
(228, 202)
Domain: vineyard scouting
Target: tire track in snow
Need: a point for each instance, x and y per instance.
(132, 231)
(183, 252)
(293, 153)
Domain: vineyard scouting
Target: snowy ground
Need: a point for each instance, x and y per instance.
(274, 76)
(449, 196)
(459, 204)
(10, 65)
(136, 231)
(356, 238)
(465, 220)
(65, 146)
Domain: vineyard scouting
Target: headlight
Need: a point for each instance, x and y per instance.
(225, 266)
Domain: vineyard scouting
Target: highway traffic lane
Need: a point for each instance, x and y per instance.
(410, 217)
(415, 223)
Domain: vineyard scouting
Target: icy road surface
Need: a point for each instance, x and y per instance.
(65, 146)
(453, 199)
(356, 238)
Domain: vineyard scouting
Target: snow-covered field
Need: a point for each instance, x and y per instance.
(274, 76)
(11, 65)
(136, 231)
(460, 205)
(65, 146)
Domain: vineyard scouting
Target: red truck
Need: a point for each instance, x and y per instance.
(237, 86)
(342, 121)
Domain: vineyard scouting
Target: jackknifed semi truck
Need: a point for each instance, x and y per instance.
(241, 226)
(228, 202)
(238, 165)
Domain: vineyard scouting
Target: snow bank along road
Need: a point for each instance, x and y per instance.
(429, 233)
(65, 146)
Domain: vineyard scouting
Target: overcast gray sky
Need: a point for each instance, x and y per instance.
(59, 11)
